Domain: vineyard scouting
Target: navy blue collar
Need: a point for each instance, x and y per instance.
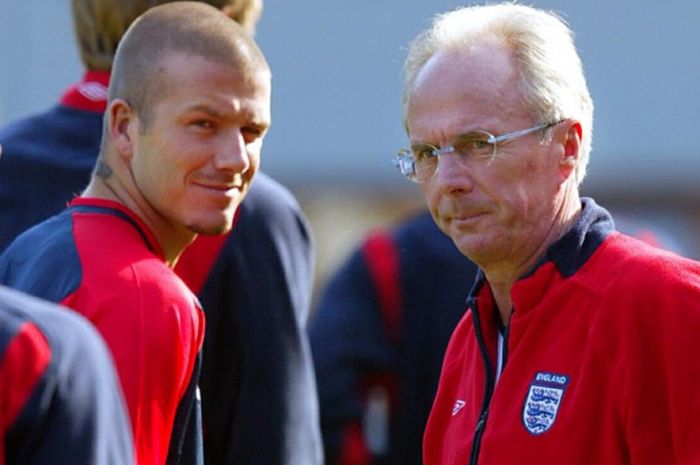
(575, 247)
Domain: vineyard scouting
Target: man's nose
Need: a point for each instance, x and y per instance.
(233, 154)
(451, 172)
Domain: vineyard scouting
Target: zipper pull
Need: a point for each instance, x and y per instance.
(482, 420)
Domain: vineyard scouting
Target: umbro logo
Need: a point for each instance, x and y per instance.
(458, 406)
(93, 91)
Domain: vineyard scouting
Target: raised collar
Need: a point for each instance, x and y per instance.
(575, 247)
(90, 94)
(568, 254)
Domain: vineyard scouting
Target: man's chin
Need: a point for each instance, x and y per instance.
(213, 221)
(212, 229)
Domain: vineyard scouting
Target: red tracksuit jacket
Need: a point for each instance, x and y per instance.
(601, 361)
(98, 258)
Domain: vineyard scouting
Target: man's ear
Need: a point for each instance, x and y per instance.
(572, 147)
(227, 10)
(121, 124)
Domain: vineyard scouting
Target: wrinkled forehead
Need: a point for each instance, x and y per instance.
(481, 78)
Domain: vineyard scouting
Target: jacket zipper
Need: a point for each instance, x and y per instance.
(506, 334)
(488, 389)
(489, 384)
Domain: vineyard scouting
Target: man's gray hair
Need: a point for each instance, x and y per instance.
(552, 82)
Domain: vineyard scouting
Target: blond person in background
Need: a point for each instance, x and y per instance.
(579, 341)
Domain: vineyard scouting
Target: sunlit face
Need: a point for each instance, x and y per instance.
(496, 211)
(201, 147)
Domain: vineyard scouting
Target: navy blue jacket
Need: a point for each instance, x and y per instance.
(383, 322)
(59, 392)
(260, 404)
(258, 393)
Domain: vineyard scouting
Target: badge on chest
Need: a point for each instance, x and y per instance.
(543, 400)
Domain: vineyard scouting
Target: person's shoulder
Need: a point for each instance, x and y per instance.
(58, 139)
(59, 326)
(43, 260)
(25, 125)
(157, 282)
(652, 292)
(47, 240)
(50, 230)
(268, 196)
(43, 125)
(119, 258)
(643, 259)
(652, 272)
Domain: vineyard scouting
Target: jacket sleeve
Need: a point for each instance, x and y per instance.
(74, 412)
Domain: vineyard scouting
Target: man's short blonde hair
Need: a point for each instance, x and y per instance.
(191, 28)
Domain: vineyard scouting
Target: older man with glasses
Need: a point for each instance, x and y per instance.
(576, 343)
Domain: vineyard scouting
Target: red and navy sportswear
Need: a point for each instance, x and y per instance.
(101, 260)
(258, 391)
(600, 361)
(60, 400)
(383, 322)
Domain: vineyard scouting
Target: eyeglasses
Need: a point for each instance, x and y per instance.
(420, 162)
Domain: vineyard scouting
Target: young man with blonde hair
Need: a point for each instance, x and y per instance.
(254, 283)
(186, 116)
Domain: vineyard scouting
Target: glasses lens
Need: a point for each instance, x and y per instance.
(425, 160)
(474, 146)
(404, 162)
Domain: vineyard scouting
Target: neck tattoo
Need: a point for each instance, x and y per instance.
(103, 170)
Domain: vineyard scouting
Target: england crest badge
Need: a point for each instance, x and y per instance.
(543, 401)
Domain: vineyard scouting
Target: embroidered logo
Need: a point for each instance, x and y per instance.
(543, 401)
(458, 406)
(93, 91)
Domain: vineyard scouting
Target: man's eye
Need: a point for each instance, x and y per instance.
(203, 124)
(251, 134)
(422, 152)
(473, 145)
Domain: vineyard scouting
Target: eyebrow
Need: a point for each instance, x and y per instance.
(208, 109)
(471, 132)
(204, 109)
